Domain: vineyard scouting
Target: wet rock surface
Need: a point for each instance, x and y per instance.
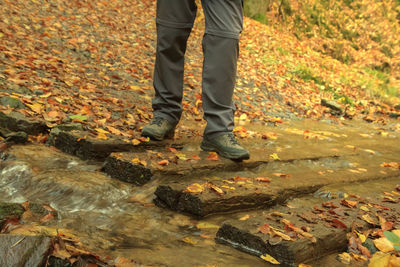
(300, 234)
(17, 122)
(18, 250)
(293, 161)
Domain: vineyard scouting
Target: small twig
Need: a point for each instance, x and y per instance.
(19, 241)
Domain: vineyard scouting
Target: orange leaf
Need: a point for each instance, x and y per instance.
(195, 157)
(163, 162)
(213, 156)
(263, 179)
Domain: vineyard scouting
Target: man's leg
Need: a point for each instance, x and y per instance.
(174, 23)
(224, 23)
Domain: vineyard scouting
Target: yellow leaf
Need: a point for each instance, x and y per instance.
(101, 136)
(394, 261)
(99, 130)
(206, 225)
(369, 151)
(194, 188)
(135, 142)
(274, 156)
(383, 244)
(245, 217)
(189, 240)
(344, 258)
(243, 117)
(361, 236)
(379, 259)
(396, 232)
(181, 156)
(270, 259)
(364, 208)
(36, 108)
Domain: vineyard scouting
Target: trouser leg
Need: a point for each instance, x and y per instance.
(224, 22)
(174, 22)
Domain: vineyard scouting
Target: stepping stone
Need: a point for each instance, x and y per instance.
(294, 235)
(17, 122)
(203, 196)
(139, 168)
(85, 145)
(17, 250)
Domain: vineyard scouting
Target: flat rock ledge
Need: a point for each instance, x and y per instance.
(85, 145)
(17, 250)
(17, 122)
(319, 231)
(140, 167)
(208, 195)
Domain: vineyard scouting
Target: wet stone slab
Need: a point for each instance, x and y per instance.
(17, 122)
(294, 235)
(207, 195)
(140, 167)
(17, 250)
(85, 145)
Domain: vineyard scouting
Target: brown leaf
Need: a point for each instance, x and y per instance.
(338, 224)
(349, 203)
(265, 229)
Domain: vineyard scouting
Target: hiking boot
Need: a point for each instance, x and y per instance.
(227, 146)
(159, 129)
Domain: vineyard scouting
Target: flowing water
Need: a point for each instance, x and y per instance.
(98, 210)
(120, 220)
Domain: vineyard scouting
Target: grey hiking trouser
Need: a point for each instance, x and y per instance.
(224, 23)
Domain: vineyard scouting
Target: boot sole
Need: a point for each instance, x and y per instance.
(168, 135)
(235, 157)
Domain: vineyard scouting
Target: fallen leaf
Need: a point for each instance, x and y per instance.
(216, 189)
(383, 244)
(163, 162)
(344, 258)
(274, 156)
(265, 229)
(213, 156)
(269, 259)
(263, 179)
(206, 225)
(194, 188)
(338, 224)
(189, 240)
(368, 219)
(379, 259)
(244, 218)
(101, 136)
(135, 142)
(282, 175)
(349, 203)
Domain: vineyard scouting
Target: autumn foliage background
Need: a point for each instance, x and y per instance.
(92, 61)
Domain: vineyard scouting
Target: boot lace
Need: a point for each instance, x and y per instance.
(232, 139)
(157, 121)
